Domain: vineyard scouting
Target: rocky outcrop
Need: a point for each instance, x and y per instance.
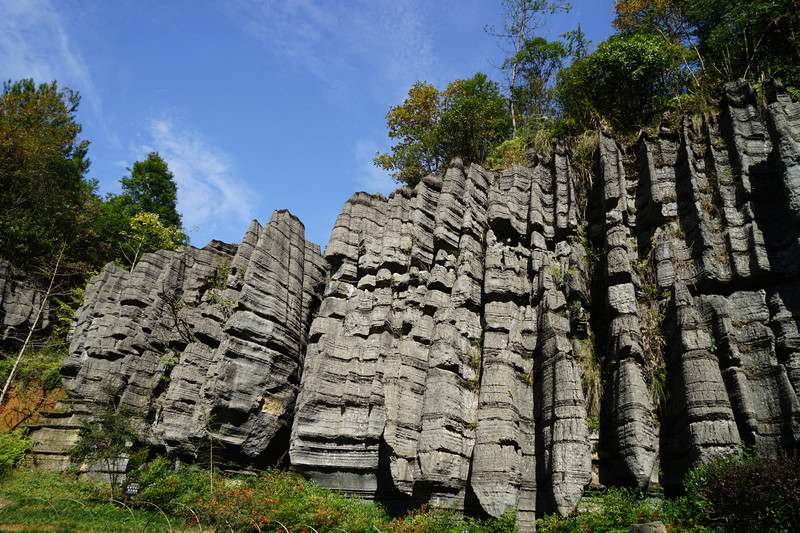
(458, 339)
(20, 302)
(204, 341)
(440, 366)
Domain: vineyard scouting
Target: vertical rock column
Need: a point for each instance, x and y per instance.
(562, 435)
(628, 435)
(504, 463)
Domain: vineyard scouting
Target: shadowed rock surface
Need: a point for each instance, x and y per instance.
(20, 300)
(451, 344)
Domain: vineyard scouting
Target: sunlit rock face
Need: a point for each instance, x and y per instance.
(457, 340)
(203, 341)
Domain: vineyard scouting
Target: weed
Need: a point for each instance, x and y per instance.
(591, 376)
(580, 236)
(474, 383)
(559, 271)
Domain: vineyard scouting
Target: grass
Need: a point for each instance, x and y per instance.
(60, 502)
(272, 500)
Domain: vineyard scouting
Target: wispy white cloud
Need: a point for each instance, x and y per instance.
(368, 176)
(35, 43)
(337, 42)
(209, 196)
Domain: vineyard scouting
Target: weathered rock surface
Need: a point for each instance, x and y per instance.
(451, 344)
(20, 301)
(203, 341)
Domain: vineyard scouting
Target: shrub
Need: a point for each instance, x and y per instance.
(628, 80)
(13, 445)
(617, 508)
(283, 497)
(430, 519)
(171, 490)
(747, 492)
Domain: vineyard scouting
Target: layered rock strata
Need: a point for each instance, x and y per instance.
(203, 342)
(458, 339)
(20, 302)
(440, 366)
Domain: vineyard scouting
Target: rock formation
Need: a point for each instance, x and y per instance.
(20, 301)
(203, 340)
(458, 339)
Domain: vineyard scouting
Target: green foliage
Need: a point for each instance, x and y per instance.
(418, 152)
(508, 153)
(274, 497)
(538, 61)
(13, 446)
(68, 306)
(150, 188)
(723, 40)
(628, 80)
(171, 489)
(428, 519)
(475, 118)
(42, 164)
(616, 509)
(560, 272)
(277, 496)
(465, 120)
(530, 60)
(46, 203)
(115, 432)
(748, 39)
(39, 369)
(147, 233)
(65, 503)
(747, 492)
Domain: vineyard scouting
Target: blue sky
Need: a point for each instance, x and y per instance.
(256, 105)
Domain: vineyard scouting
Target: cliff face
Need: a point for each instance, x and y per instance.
(451, 344)
(203, 340)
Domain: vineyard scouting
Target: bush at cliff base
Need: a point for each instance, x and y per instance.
(13, 445)
(273, 499)
(742, 493)
(747, 493)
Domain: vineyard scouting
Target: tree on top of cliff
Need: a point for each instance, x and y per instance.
(413, 123)
(150, 188)
(521, 20)
(144, 216)
(474, 118)
(628, 80)
(724, 39)
(434, 126)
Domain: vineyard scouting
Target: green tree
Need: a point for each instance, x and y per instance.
(751, 39)
(109, 440)
(538, 62)
(417, 152)
(521, 20)
(465, 120)
(13, 446)
(150, 188)
(627, 80)
(42, 166)
(726, 39)
(146, 233)
(474, 118)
